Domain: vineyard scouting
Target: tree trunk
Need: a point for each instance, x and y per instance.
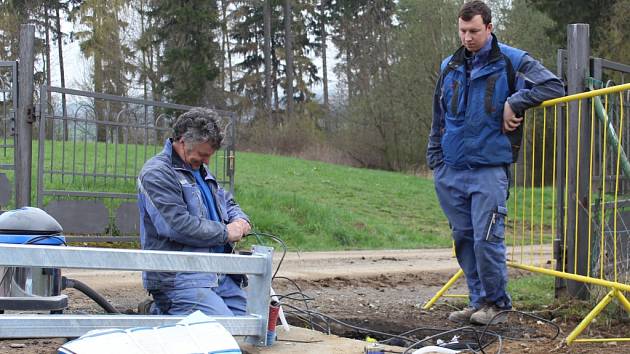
(61, 73)
(324, 59)
(49, 127)
(288, 35)
(349, 73)
(145, 89)
(144, 70)
(226, 33)
(267, 55)
(274, 81)
(99, 108)
(348, 67)
(223, 40)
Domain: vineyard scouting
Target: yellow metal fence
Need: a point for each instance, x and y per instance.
(570, 200)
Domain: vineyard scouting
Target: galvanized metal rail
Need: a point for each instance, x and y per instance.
(258, 266)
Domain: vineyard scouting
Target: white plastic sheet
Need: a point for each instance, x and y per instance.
(197, 333)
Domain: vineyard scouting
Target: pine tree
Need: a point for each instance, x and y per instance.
(248, 35)
(12, 15)
(101, 42)
(596, 13)
(184, 34)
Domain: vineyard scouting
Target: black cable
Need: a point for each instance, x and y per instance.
(403, 336)
(477, 336)
(526, 314)
(362, 329)
(89, 292)
(297, 287)
(291, 281)
(460, 329)
(278, 240)
(485, 332)
(311, 315)
(290, 296)
(305, 299)
(477, 346)
(310, 321)
(418, 329)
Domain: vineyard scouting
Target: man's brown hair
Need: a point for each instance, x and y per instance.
(473, 8)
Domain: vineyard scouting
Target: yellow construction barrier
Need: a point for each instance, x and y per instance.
(588, 230)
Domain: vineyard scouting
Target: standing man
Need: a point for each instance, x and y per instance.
(182, 208)
(481, 96)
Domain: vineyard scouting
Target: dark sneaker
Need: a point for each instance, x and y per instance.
(462, 315)
(144, 307)
(488, 314)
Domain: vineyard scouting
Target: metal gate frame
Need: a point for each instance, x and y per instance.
(11, 117)
(151, 130)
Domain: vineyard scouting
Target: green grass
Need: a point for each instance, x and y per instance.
(311, 205)
(532, 291)
(319, 206)
(528, 292)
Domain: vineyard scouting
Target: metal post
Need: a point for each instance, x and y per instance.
(231, 158)
(24, 132)
(598, 169)
(578, 54)
(259, 292)
(560, 283)
(43, 96)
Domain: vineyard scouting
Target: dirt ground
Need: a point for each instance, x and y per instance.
(379, 290)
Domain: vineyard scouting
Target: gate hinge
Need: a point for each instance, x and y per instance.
(31, 114)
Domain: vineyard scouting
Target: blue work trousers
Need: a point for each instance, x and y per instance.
(227, 299)
(474, 201)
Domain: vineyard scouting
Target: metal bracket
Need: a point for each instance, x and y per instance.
(31, 114)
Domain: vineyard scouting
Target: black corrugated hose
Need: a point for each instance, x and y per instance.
(89, 292)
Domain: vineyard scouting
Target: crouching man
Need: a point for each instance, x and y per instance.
(182, 208)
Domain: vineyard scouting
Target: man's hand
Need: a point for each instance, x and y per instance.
(235, 231)
(510, 120)
(245, 225)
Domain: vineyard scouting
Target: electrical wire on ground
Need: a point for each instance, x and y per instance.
(478, 344)
(276, 239)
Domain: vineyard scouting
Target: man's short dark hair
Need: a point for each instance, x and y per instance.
(473, 8)
(198, 125)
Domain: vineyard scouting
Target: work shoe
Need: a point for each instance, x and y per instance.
(144, 307)
(462, 315)
(488, 314)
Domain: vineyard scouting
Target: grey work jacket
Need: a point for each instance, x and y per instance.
(173, 217)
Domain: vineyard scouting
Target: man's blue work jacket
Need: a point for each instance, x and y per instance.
(468, 109)
(173, 216)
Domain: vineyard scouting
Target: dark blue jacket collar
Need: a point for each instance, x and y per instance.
(493, 54)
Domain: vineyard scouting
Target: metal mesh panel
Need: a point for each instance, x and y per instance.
(93, 148)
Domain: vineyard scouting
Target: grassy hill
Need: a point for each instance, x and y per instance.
(310, 204)
(319, 206)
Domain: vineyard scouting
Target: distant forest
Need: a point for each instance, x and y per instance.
(267, 59)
